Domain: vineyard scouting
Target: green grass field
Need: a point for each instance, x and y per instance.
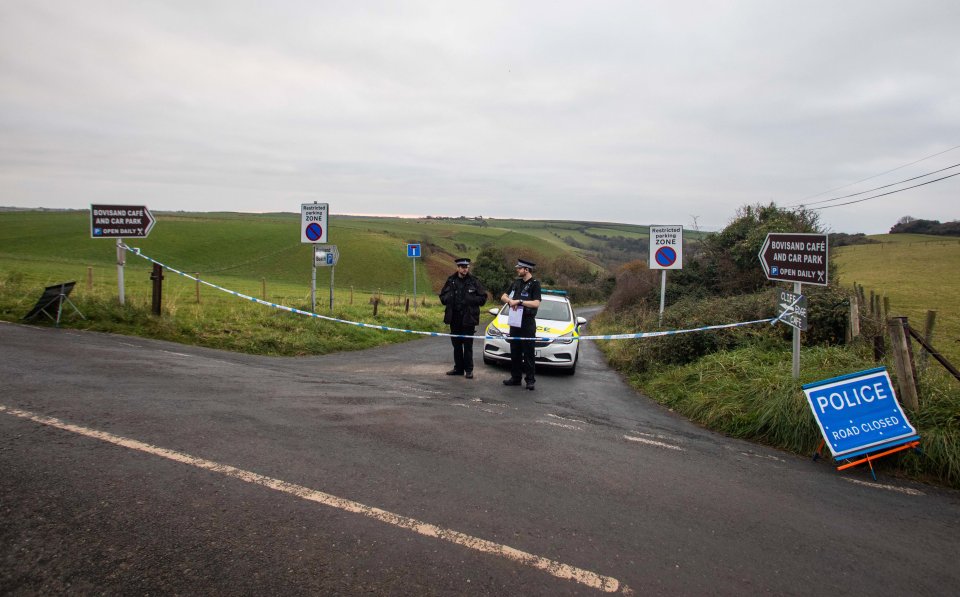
(254, 254)
(918, 273)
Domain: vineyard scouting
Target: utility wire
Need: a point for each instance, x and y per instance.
(893, 184)
(884, 194)
(881, 174)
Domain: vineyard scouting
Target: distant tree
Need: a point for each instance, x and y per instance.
(728, 263)
(915, 226)
(906, 220)
(492, 269)
(842, 239)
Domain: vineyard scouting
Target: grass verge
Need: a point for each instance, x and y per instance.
(226, 322)
(750, 393)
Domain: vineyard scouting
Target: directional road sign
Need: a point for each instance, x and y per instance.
(795, 257)
(325, 255)
(313, 222)
(859, 413)
(120, 221)
(666, 247)
(793, 310)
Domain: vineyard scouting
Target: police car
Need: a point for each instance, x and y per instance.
(558, 333)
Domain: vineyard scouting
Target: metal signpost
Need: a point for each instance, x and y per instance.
(859, 414)
(119, 222)
(413, 251)
(800, 258)
(313, 230)
(324, 256)
(666, 252)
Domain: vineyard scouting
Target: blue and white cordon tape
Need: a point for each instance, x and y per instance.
(136, 251)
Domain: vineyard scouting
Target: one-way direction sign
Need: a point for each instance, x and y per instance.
(795, 257)
(120, 221)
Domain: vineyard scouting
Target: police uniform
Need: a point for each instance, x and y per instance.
(462, 296)
(522, 361)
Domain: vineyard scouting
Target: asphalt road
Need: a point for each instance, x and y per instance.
(138, 466)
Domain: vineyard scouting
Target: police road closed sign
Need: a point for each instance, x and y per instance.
(795, 257)
(666, 247)
(859, 413)
(313, 222)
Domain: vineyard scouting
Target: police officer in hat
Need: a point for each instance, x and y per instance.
(523, 298)
(462, 294)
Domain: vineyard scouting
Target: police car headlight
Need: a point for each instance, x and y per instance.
(493, 331)
(565, 339)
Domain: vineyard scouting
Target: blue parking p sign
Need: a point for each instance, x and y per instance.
(413, 250)
(859, 413)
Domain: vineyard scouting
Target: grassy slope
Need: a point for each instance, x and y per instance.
(238, 251)
(917, 273)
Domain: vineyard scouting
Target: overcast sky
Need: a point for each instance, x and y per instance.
(669, 112)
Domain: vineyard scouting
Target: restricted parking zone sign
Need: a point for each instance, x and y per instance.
(859, 413)
(666, 247)
(313, 222)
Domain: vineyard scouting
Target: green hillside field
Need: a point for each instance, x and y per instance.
(259, 255)
(918, 273)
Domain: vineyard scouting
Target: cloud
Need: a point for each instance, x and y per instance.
(616, 111)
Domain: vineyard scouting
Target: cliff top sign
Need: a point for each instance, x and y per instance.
(795, 257)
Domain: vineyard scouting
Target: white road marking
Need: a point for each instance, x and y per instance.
(561, 425)
(558, 569)
(763, 456)
(905, 490)
(564, 418)
(179, 354)
(653, 443)
(480, 408)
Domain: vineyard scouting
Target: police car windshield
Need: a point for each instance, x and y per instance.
(555, 310)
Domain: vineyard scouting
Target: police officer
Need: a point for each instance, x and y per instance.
(523, 297)
(462, 294)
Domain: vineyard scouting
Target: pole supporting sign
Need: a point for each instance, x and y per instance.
(859, 413)
(413, 251)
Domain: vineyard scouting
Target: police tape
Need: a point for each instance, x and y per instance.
(384, 328)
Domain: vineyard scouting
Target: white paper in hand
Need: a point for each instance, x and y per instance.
(515, 318)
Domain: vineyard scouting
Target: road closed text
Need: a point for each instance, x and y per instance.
(867, 427)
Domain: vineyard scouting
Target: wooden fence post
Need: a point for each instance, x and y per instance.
(406, 309)
(197, 276)
(903, 362)
(886, 307)
(89, 278)
(873, 304)
(928, 336)
(854, 317)
(351, 295)
(263, 288)
(376, 304)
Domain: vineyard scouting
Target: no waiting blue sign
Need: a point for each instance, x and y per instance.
(859, 413)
